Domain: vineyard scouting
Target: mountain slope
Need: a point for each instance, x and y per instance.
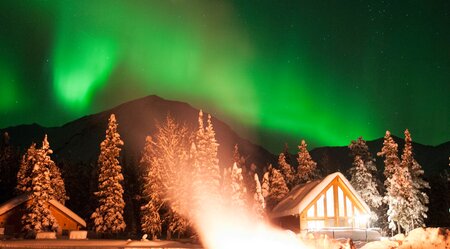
(76, 148)
(433, 159)
(78, 141)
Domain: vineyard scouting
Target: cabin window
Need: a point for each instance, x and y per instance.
(341, 202)
(357, 219)
(320, 207)
(330, 202)
(349, 207)
(330, 222)
(315, 224)
(311, 211)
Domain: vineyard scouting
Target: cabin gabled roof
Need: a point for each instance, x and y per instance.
(302, 195)
(16, 201)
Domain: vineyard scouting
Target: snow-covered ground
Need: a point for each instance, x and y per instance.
(420, 238)
(433, 238)
(94, 244)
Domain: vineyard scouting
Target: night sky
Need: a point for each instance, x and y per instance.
(276, 71)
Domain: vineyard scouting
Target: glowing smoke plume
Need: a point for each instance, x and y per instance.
(221, 227)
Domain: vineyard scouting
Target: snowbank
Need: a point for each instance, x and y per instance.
(420, 238)
(78, 235)
(46, 235)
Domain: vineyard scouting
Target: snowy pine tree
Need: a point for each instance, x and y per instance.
(277, 188)
(108, 217)
(419, 199)
(151, 192)
(362, 181)
(259, 205)
(247, 173)
(363, 176)
(359, 148)
(398, 187)
(286, 169)
(176, 224)
(238, 190)
(307, 168)
(26, 167)
(265, 185)
(391, 162)
(212, 161)
(238, 158)
(206, 161)
(37, 217)
(171, 170)
(59, 189)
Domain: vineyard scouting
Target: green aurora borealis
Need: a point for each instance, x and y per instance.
(276, 71)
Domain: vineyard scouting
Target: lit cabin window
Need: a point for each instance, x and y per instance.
(349, 207)
(330, 202)
(341, 203)
(320, 207)
(311, 211)
(357, 218)
(315, 224)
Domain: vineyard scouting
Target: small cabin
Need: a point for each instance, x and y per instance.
(328, 203)
(11, 213)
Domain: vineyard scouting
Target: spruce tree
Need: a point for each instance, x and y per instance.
(360, 148)
(390, 153)
(247, 173)
(265, 185)
(37, 217)
(59, 190)
(151, 192)
(108, 217)
(398, 186)
(277, 188)
(238, 158)
(206, 161)
(362, 181)
(238, 190)
(213, 161)
(363, 176)
(172, 174)
(419, 199)
(176, 224)
(27, 163)
(259, 204)
(286, 169)
(307, 168)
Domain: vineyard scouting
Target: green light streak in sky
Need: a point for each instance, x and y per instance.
(284, 68)
(83, 62)
(8, 88)
(213, 66)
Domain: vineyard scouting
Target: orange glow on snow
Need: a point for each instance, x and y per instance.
(224, 228)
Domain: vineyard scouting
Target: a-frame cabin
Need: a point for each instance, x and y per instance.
(322, 204)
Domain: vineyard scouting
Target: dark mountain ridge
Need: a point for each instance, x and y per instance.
(76, 148)
(78, 141)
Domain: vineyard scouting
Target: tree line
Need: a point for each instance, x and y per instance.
(177, 158)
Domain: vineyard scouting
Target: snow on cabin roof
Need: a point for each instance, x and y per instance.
(302, 195)
(68, 212)
(16, 201)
